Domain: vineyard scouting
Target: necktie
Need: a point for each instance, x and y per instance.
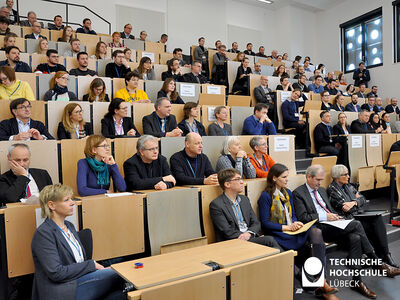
(355, 108)
(319, 202)
(28, 192)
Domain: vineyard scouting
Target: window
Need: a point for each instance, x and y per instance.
(362, 41)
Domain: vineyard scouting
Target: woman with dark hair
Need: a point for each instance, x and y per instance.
(374, 123)
(128, 54)
(168, 90)
(295, 65)
(385, 121)
(338, 103)
(101, 51)
(341, 79)
(116, 122)
(349, 90)
(285, 84)
(189, 123)
(219, 127)
(277, 216)
(321, 67)
(131, 93)
(144, 70)
(285, 56)
(97, 91)
(241, 84)
(325, 98)
(280, 71)
(72, 125)
(59, 88)
(67, 35)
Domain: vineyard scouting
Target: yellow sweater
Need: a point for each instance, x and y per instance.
(20, 89)
(123, 94)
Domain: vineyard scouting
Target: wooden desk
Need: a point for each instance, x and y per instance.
(187, 263)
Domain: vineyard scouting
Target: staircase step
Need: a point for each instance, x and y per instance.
(303, 163)
(300, 153)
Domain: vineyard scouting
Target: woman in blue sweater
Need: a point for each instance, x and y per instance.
(94, 171)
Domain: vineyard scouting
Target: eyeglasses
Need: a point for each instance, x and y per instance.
(25, 107)
(152, 149)
(236, 179)
(106, 146)
(2, 79)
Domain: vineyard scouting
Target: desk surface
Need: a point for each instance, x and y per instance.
(186, 263)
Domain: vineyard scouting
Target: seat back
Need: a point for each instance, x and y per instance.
(85, 236)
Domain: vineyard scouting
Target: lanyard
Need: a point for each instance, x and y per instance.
(162, 126)
(193, 128)
(19, 83)
(191, 169)
(130, 97)
(77, 247)
(116, 70)
(77, 132)
(225, 132)
(264, 166)
(329, 130)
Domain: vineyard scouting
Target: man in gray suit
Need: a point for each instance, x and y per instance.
(262, 93)
(31, 20)
(232, 214)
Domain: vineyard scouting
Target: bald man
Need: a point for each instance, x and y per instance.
(190, 166)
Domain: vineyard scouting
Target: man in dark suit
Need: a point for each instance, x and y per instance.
(369, 106)
(263, 93)
(312, 202)
(361, 93)
(22, 127)
(120, 67)
(31, 20)
(353, 105)
(195, 76)
(232, 214)
(360, 125)
(147, 169)
(57, 25)
(373, 92)
(249, 49)
(392, 107)
(361, 75)
(331, 87)
(36, 30)
(21, 181)
(291, 117)
(174, 71)
(126, 34)
(161, 123)
(13, 60)
(324, 142)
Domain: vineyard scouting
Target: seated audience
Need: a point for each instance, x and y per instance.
(128, 54)
(195, 76)
(353, 105)
(257, 69)
(36, 32)
(264, 94)
(341, 127)
(190, 166)
(295, 64)
(161, 123)
(13, 60)
(75, 48)
(163, 38)
(279, 58)
(82, 69)
(21, 127)
(349, 90)
(12, 88)
(361, 75)
(67, 35)
(13, 15)
(86, 27)
(101, 51)
(143, 36)
(59, 88)
(145, 70)
(285, 56)
(317, 86)
(168, 90)
(348, 202)
(219, 127)
(385, 121)
(52, 66)
(330, 75)
(325, 98)
(316, 73)
(306, 66)
(201, 55)
(338, 103)
(4, 12)
(280, 72)
(277, 216)
(239, 57)
(341, 79)
(219, 67)
(373, 92)
(9, 40)
(259, 123)
(72, 125)
(94, 171)
(57, 25)
(147, 169)
(116, 41)
(31, 20)
(4, 23)
(260, 160)
(120, 67)
(131, 93)
(285, 85)
(232, 156)
(361, 124)
(61, 264)
(378, 105)
(274, 54)
(174, 70)
(241, 84)
(301, 85)
(323, 136)
(21, 182)
(299, 72)
(97, 92)
(242, 222)
(261, 52)
(369, 106)
(331, 87)
(392, 107)
(177, 53)
(290, 114)
(235, 48)
(189, 122)
(249, 49)
(116, 122)
(361, 93)
(374, 123)
(126, 34)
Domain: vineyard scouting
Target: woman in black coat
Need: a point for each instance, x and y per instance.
(72, 125)
(189, 123)
(241, 84)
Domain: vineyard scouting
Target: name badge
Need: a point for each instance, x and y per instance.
(296, 115)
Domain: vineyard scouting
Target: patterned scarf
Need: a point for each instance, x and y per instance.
(277, 212)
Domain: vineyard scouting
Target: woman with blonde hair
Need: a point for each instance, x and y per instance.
(67, 35)
(101, 51)
(97, 92)
(72, 125)
(94, 171)
(144, 70)
(43, 46)
(168, 90)
(239, 57)
(58, 88)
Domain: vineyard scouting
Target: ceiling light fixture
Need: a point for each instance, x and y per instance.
(266, 1)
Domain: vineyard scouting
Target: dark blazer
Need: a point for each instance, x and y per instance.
(86, 98)
(141, 176)
(49, 94)
(63, 134)
(13, 188)
(241, 84)
(20, 66)
(304, 205)
(190, 77)
(200, 128)
(363, 79)
(108, 127)
(338, 196)
(32, 36)
(151, 125)
(378, 109)
(337, 129)
(358, 127)
(168, 74)
(132, 37)
(261, 97)
(365, 106)
(361, 95)
(26, 23)
(390, 109)
(52, 26)
(226, 226)
(162, 94)
(15, 17)
(350, 107)
(56, 270)
(249, 52)
(337, 107)
(321, 136)
(323, 107)
(10, 127)
(303, 88)
(83, 30)
(112, 68)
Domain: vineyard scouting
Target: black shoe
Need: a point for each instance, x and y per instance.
(389, 260)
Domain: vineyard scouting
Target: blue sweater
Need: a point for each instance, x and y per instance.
(252, 126)
(86, 180)
(289, 109)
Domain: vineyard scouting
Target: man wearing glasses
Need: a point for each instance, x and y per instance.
(52, 66)
(232, 214)
(21, 127)
(120, 67)
(36, 30)
(147, 169)
(126, 34)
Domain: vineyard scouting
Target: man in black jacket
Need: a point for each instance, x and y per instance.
(13, 60)
(174, 71)
(21, 181)
(120, 67)
(323, 139)
(369, 106)
(52, 66)
(360, 125)
(22, 127)
(147, 169)
(195, 76)
(161, 123)
(36, 30)
(392, 107)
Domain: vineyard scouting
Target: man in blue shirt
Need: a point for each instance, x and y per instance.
(12, 54)
(316, 87)
(259, 123)
(291, 117)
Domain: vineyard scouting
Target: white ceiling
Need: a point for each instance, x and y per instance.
(312, 5)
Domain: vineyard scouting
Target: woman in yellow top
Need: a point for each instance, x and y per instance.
(12, 88)
(130, 93)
